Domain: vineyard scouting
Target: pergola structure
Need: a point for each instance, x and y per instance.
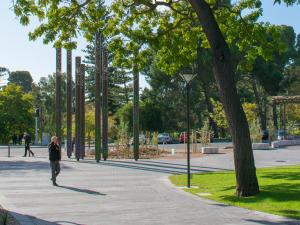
(282, 101)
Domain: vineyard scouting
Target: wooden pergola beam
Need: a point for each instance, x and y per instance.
(286, 99)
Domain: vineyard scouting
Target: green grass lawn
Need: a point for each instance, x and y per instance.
(279, 190)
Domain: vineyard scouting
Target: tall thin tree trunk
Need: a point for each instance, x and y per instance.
(69, 103)
(58, 105)
(98, 77)
(246, 180)
(77, 109)
(82, 111)
(136, 120)
(105, 105)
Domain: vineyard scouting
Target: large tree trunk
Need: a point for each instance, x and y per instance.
(246, 180)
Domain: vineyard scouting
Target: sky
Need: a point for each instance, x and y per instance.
(18, 53)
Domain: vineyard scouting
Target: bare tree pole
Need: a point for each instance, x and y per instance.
(98, 77)
(77, 109)
(104, 105)
(69, 103)
(82, 111)
(135, 112)
(58, 95)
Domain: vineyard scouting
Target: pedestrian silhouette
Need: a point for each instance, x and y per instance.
(54, 157)
(27, 139)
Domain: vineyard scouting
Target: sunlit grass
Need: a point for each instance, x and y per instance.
(279, 190)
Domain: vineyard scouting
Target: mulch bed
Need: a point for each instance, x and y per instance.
(6, 218)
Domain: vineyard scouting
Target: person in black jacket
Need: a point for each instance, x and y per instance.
(27, 139)
(54, 157)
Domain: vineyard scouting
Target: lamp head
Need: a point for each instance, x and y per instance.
(187, 74)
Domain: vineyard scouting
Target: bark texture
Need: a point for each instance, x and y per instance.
(98, 77)
(246, 180)
(69, 103)
(58, 105)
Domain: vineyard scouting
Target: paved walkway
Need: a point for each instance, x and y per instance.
(124, 192)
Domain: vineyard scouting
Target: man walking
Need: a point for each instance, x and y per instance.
(27, 139)
(54, 157)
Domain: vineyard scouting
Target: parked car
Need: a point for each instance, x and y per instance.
(182, 137)
(164, 138)
(142, 139)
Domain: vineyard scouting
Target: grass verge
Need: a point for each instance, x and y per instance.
(279, 190)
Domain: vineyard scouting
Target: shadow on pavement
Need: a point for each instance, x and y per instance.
(25, 165)
(87, 191)
(263, 222)
(177, 164)
(32, 220)
(148, 167)
(169, 169)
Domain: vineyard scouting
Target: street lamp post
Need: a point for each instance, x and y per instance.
(187, 76)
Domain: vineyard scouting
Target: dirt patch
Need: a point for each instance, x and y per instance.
(150, 152)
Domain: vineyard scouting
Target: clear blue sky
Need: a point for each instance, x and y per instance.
(18, 53)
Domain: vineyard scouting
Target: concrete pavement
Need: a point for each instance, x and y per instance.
(124, 192)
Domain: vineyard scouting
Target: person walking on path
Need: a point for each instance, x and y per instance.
(54, 157)
(27, 139)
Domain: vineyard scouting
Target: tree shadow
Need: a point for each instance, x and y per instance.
(25, 165)
(263, 222)
(28, 219)
(82, 190)
(169, 165)
(169, 169)
(286, 175)
(288, 193)
(151, 168)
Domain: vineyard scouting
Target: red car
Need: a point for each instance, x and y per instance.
(182, 137)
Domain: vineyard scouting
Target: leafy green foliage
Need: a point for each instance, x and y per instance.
(44, 97)
(60, 21)
(17, 114)
(119, 86)
(271, 74)
(288, 2)
(21, 78)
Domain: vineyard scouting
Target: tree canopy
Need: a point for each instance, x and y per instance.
(17, 114)
(21, 78)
